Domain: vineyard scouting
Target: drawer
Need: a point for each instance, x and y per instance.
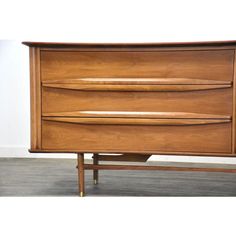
(214, 101)
(117, 135)
(203, 64)
(169, 101)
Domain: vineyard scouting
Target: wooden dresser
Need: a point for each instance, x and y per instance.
(135, 100)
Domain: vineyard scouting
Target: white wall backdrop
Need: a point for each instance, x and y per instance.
(15, 101)
(15, 108)
(14, 92)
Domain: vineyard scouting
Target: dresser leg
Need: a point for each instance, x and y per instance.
(80, 160)
(95, 172)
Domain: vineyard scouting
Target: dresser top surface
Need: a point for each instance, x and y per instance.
(130, 45)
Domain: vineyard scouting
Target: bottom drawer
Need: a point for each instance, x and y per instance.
(72, 137)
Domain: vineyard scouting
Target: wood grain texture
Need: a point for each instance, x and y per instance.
(35, 94)
(218, 102)
(215, 65)
(212, 138)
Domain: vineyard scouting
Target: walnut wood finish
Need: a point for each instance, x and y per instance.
(114, 138)
(167, 98)
(212, 64)
(35, 101)
(218, 102)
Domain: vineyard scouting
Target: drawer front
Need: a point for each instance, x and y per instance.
(71, 136)
(215, 101)
(137, 101)
(209, 65)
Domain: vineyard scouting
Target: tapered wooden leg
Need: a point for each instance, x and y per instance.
(95, 172)
(80, 160)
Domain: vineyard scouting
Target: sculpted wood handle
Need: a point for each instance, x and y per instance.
(135, 118)
(137, 114)
(138, 84)
(135, 121)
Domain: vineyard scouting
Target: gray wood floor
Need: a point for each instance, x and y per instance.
(58, 177)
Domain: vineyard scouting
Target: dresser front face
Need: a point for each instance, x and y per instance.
(138, 101)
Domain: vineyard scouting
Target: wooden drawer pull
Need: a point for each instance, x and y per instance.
(137, 84)
(133, 114)
(147, 88)
(135, 121)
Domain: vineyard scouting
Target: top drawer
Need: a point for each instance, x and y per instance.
(212, 64)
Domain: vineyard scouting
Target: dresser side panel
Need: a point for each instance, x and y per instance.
(35, 98)
(234, 108)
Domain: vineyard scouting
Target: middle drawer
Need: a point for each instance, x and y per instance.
(214, 101)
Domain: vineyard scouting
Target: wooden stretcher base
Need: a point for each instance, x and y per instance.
(129, 158)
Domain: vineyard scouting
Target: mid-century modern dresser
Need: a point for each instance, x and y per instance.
(134, 100)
